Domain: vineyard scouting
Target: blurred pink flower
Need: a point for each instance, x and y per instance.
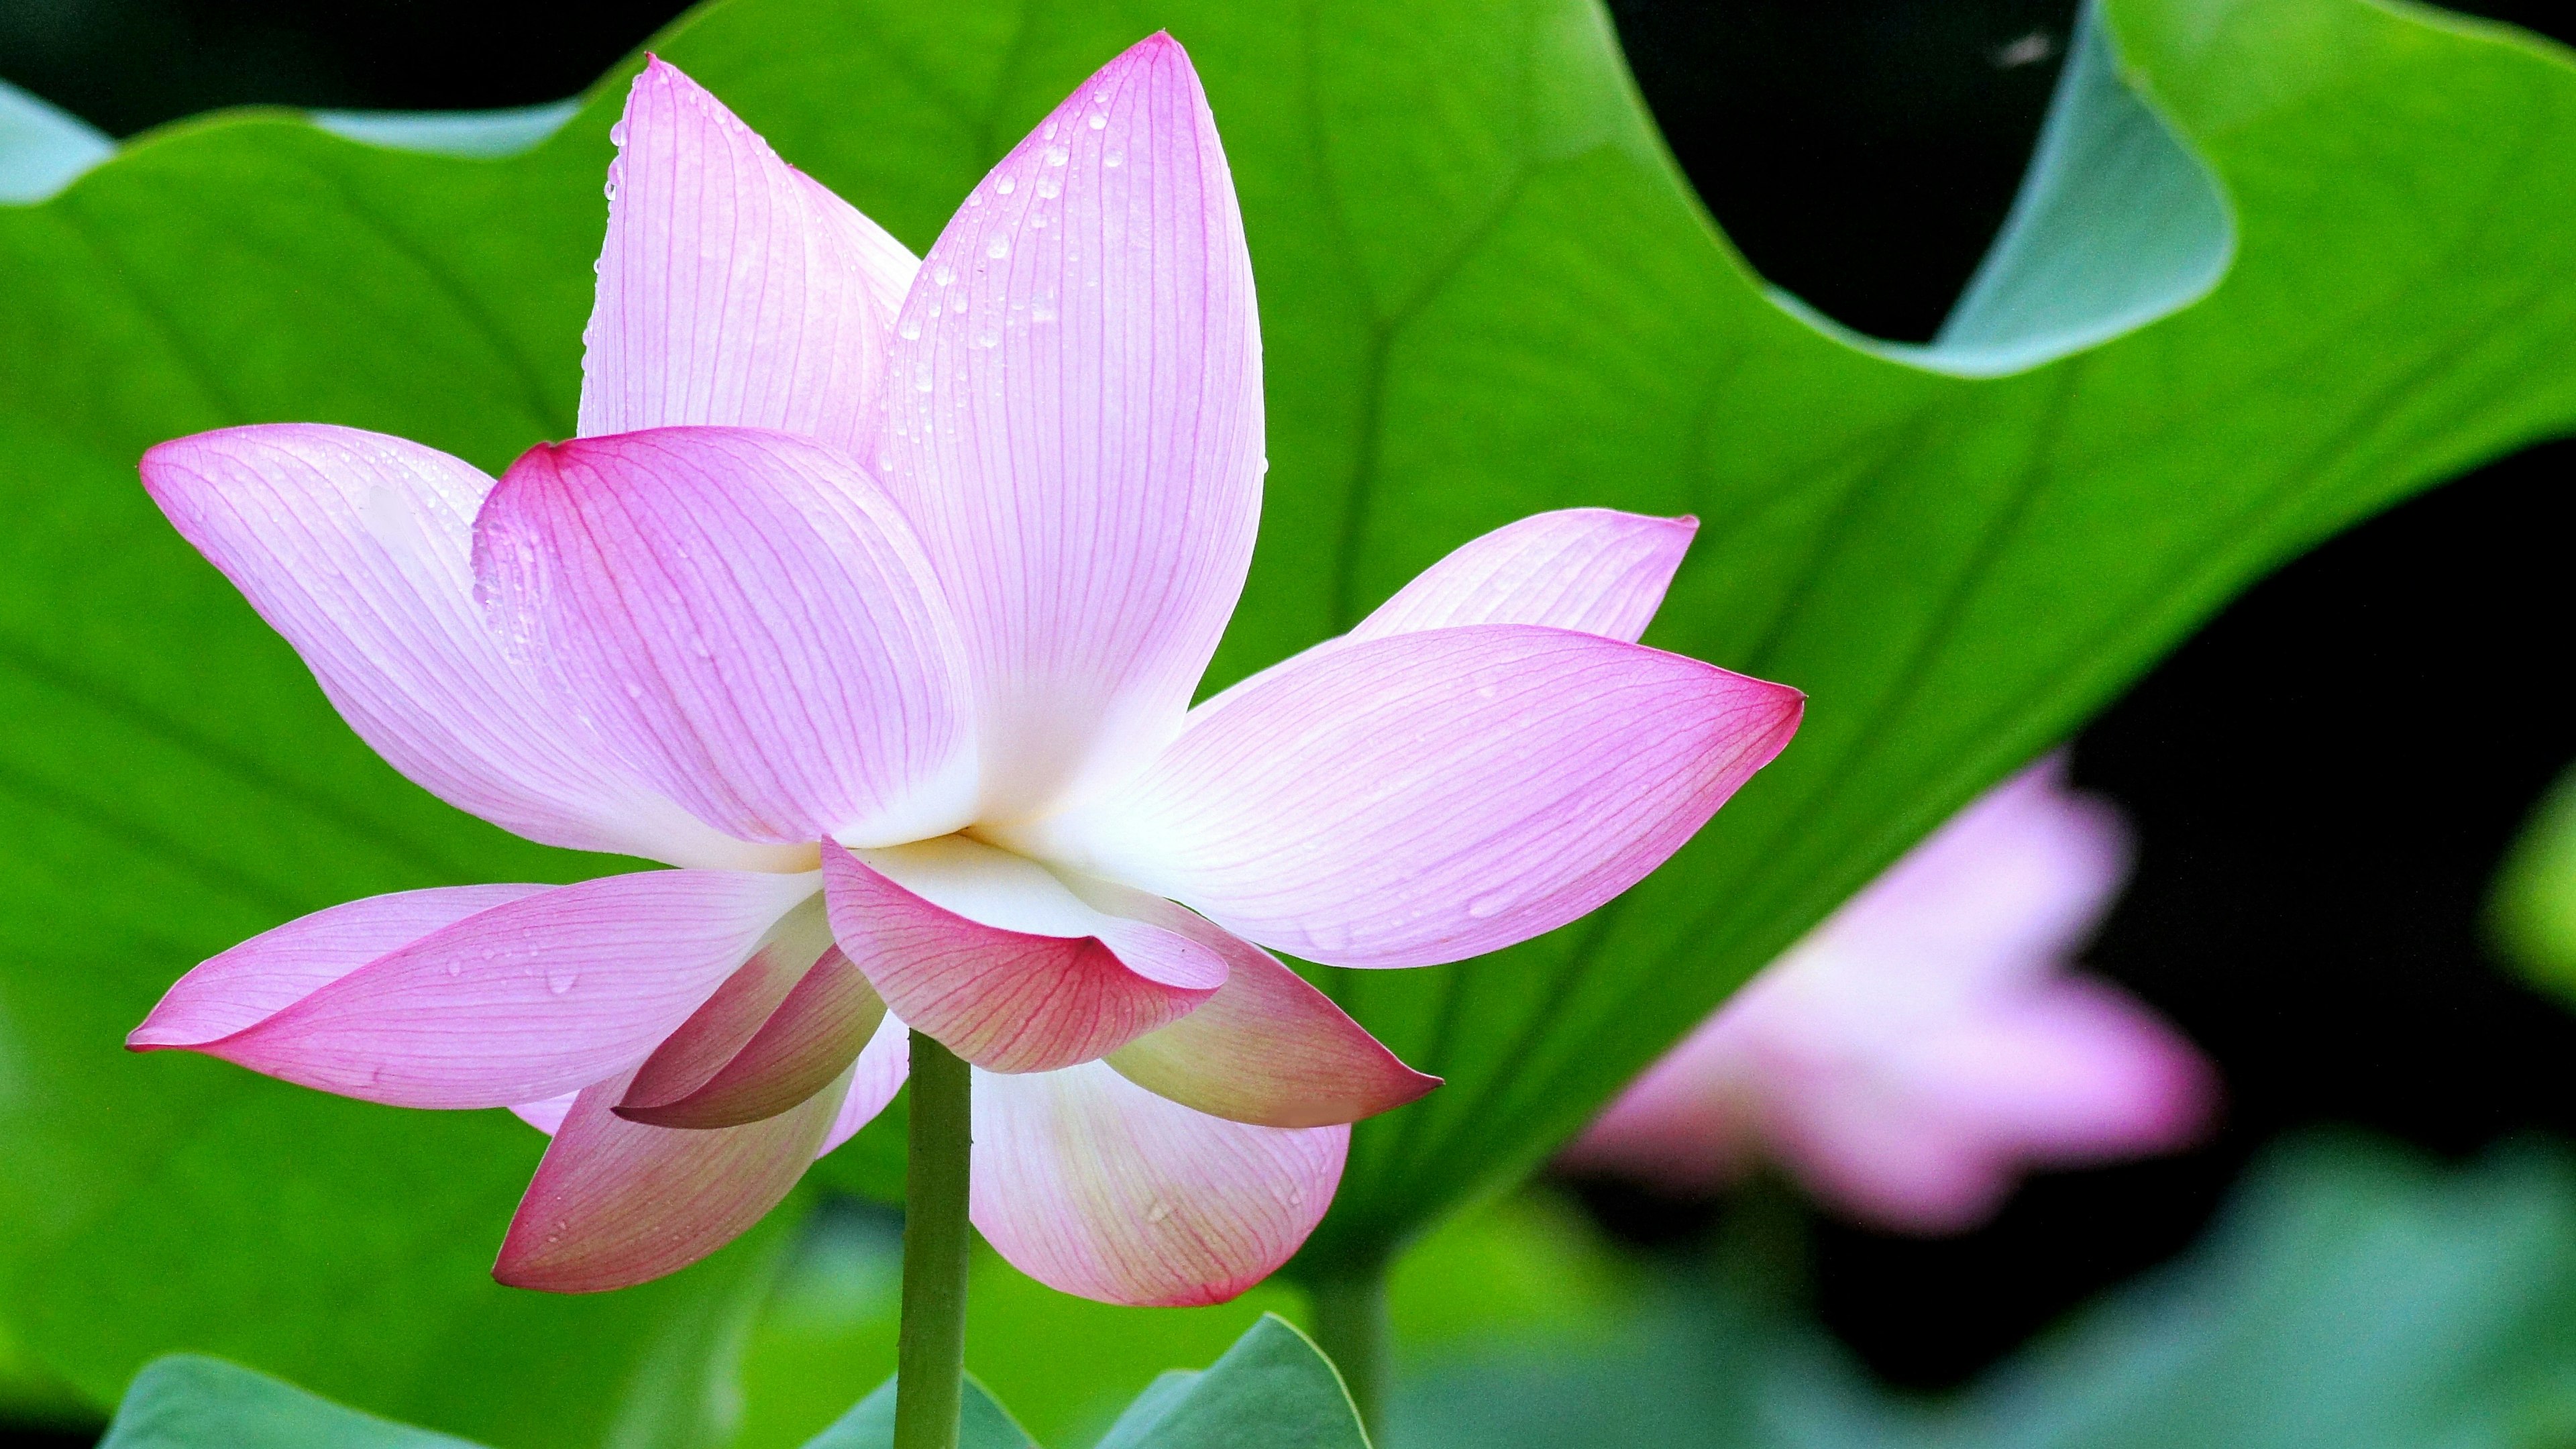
(872, 596)
(1917, 1051)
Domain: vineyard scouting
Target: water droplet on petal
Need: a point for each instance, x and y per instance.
(911, 329)
(1159, 1211)
(921, 378)
(1006, 185)
(1048, 133)
(1489, 905)
(454, 967)
(634, 690)
(611, 188)
(617, 133)
(943, 274)
(561, 982)
(1055, 155)
(1050, 188)
(998, 248)
(1113, 159)
(1099, 122)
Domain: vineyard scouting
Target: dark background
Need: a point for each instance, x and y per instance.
(2322, 781)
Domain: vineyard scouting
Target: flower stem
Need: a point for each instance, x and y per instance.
(1351, 1329)
(931, 1347)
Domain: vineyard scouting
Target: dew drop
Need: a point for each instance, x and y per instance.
(611, 188)
(1006, 185)
(1041, 313)
(1047, 133)
(453, 968)
(634, 690)
(943, 274)
(1055, 155)
(561, 982)
(1049, 187)
(1113, 159)
(998, 248)
(1159, 1211)
(921, 378)
(1099, 122)
(1488, 905)
(911, 329)
(617, 133)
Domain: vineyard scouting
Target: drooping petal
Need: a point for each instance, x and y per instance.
(357, 548)
(1267, 1048)
(525, 1000)
(998, 960)
(1093, 1185)
(1430, 796)
(1592, 570)
(278, 968)
(616, 1203)
(748, 618)
(878, 1075)
(733, 290)
(809, 1042)
(1075, 421)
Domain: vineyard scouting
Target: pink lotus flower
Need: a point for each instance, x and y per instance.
(872, 597)
(1923, 1045)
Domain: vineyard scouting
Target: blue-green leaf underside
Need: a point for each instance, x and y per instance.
(1273, 1390)
(982, 1423)
(188, 1402)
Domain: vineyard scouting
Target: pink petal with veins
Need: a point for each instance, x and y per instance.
(809, 1042)
(521, 1001)
(1592, 570)
(1093, 1185)
(357, 547)
(733, 290)
(749, 618)
(1267, 1048)
(1075, 421)
(616, 1203)
(1431, 796)
(991, 955)
(278, 968)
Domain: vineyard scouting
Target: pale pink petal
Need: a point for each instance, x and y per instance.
(732, 289)
(1922, 1048)
(748, 618)
(1431, 796)
(1074, 419)
(357, 548)
(996, 959)
(1095, 1186)
(546, 1116)
(807, 1044)
(525, 1000)
(1267, 1048)
(1592, 570)
(879, 1074)
(278, 968)
(616, 1203)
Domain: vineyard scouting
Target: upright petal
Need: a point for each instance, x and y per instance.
(616, 1203)
(1075, 421)
(1267, 1048)
(357, 547)
(748, 618)
(524, 1000)
(278, 968)
(1094, 1186)
(732, 290)
(1430, 796)
(993, 956)
(1592, 570)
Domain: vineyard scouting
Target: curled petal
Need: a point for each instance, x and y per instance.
(1075, 422)
(278, 968)
(524, 1000)
(1430, 796)
(1094, 1186)
(616, 1203)
(358, 549)
(809, 1042)
(748, 618)
(733, 290)
(1267, 1048)
(1592, 570)
(717, 1031)
(998, 960)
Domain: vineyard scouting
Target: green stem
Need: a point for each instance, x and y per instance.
(930, 1354)
(1351, 1329)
